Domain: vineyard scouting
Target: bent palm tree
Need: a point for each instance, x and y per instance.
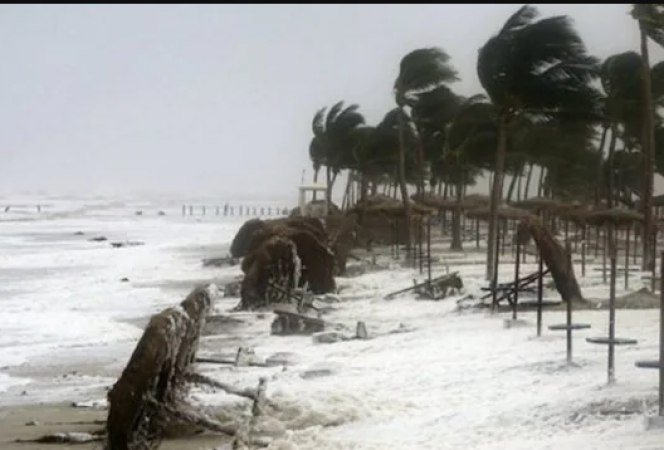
(419, 71)
(538, 68)
(333, 141)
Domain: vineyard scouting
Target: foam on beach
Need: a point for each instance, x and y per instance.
(430, 376)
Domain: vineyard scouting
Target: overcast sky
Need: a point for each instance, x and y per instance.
(217, 99)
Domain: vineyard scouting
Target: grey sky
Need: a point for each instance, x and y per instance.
(217, 99)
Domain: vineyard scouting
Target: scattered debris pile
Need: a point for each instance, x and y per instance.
(435, 289)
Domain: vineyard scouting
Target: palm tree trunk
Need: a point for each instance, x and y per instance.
(328, 189)
(496, 197)
(612, 152)
(345, 203)
(401, 166)
(540, 185)
(600, 182)
(648, 148)
(529, 177)
(316, 171)
(510, 190)
(457, 243)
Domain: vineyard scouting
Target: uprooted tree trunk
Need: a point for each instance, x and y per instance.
(556, 258)
(150, 395)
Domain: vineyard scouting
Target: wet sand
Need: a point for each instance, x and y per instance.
(29, 422)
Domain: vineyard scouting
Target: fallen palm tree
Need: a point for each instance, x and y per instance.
(151, 394)
(554, 255)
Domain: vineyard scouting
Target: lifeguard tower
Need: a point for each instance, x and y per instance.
(306, 208)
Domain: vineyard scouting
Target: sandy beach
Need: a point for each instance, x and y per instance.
(20, 424)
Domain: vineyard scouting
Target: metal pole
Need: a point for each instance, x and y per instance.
(612, 314)
(517, 268)
(429, 251)
(661, 334)
(540, 292)
(494, 275)
(568, 256)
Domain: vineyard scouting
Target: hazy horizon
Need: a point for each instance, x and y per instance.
(217, 100)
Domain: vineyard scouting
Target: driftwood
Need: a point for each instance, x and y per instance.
(443, 283)
(289, 322)
(439, 288)
(150, 395)
(556, 258)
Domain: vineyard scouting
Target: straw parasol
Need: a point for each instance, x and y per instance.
(537, 204)
(504, 212)
(613, 216)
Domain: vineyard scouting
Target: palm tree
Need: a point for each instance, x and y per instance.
(420, 70)
(537, 68)
(469, 139)
(333, 141)
(651, 25)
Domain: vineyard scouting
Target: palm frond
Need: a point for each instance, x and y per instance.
(521, 18)
(539, 65)
(333, 113)
(318, 123)
(423, 69)
(651, 19)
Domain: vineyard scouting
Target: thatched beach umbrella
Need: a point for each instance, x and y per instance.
(537, 204)
(504, 212)
(397, 210)
(613, 216)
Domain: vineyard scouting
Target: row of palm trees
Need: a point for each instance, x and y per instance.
(541, 107)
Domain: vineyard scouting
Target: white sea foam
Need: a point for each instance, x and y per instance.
(429, 378)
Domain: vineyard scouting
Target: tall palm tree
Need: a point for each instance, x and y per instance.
(538, 68)
(650, 18)
(420, 70)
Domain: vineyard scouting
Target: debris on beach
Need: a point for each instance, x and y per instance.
(232, 288)
(281, 255)
(219, 261)
(555, 256)
(151, 394)
(66, 438)
(121, 244)
(98, 239)
(435, 289)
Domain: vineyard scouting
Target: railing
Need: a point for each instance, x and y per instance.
(235, 210)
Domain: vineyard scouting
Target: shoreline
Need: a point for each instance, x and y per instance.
(31, 421)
